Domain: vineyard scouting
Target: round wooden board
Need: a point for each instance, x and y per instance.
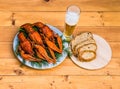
(103, 55)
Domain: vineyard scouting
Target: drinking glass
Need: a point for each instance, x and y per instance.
(71, 20)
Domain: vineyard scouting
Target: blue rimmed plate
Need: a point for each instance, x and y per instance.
(43, 64)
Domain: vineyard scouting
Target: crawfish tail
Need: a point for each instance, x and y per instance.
(52, 46)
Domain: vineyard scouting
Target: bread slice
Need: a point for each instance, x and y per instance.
(87, 56)
(91, 47)
(80, 38)
(90, 41)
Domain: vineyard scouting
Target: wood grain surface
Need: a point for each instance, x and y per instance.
(57, 18)
(101, 17)
(59, 5)
(59, 82)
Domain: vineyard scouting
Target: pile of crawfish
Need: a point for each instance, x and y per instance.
(37, 43)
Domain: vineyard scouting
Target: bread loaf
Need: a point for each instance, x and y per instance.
(91, 40)
(84, 46)
(81, 38)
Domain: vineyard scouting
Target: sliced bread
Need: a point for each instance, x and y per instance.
(86, 56)
(88, 47)
(90, 41)
(81, 38)
(84, 47)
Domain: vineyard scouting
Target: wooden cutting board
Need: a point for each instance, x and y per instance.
(103, 55)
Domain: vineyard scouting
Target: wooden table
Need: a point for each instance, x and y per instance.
(101, 17)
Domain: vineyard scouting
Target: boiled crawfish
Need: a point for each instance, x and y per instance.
(49, 37)
(25, 48)
(40, 40)
(34, 35)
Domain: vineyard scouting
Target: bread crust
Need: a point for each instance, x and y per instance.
(80, 41)
(86, 42)
(79, 49)
(86, 60)
(90, 36)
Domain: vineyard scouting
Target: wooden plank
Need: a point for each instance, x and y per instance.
(6, 49)
(9, 33)
(11, 66)
(108, 33)
(5, 18)
(112, 32)
(60, 82)
(56, 5)
(57, 18)
(111, 18)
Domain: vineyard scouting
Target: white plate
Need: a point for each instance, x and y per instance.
(103, 57)
(42, 65)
